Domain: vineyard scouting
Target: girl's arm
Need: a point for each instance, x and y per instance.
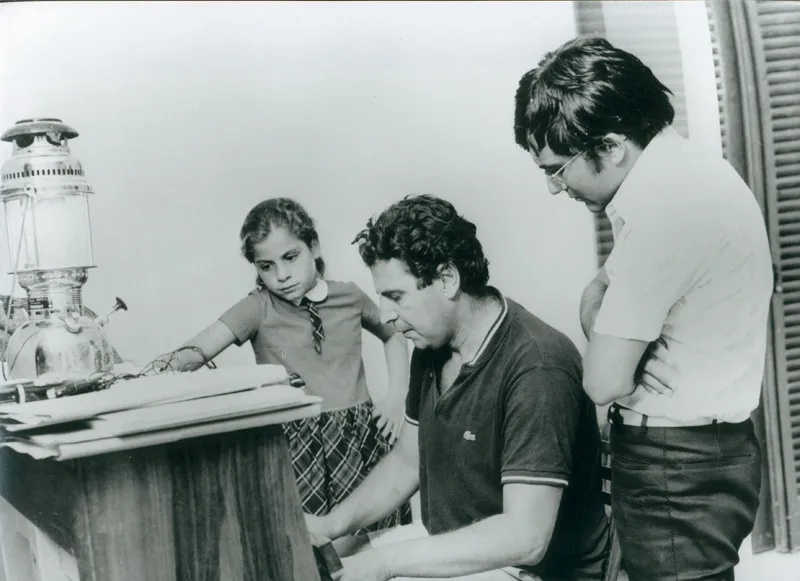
(212, 341)
(240, 321)
(391, 408)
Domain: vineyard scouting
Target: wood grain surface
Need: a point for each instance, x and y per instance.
(222, 507)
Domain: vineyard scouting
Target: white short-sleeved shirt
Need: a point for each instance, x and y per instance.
(691, 264)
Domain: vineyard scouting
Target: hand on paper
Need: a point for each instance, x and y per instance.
(366, 566)
(317, 529)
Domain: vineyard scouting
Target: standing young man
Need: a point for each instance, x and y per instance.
(500, 438)
(677, 318)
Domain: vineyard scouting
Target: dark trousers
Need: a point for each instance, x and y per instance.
(684, 499)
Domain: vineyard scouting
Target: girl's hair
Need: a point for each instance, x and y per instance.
(277, 213)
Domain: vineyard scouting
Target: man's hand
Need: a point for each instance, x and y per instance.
(389, 411)
(367, 566)
(653, 369)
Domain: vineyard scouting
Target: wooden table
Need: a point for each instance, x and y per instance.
(213, 508)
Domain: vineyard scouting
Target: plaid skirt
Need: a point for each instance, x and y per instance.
(332, 454)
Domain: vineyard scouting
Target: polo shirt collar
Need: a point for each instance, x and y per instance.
(652, 162)
(496, 325)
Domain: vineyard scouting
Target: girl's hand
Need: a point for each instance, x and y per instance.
(390, 411)
(318, 529)
(366, 566)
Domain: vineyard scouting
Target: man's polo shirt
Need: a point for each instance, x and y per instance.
(517, 413)
(691, 264)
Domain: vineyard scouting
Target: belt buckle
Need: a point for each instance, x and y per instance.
(519, 574)
(613, 414)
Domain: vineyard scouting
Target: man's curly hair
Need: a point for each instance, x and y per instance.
(425, 233)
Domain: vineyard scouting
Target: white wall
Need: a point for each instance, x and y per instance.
(190, 113)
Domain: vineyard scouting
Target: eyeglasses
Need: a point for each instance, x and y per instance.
(555, 177)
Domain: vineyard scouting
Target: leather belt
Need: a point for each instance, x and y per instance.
(618, 414)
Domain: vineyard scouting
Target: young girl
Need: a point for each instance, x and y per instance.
(312, 326)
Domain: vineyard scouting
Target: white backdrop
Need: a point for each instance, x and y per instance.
(191, 113)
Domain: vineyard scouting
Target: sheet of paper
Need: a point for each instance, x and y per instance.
(103, 446)
(178, 414)
(141, 392)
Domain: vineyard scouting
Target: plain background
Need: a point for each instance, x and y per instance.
(191, 113)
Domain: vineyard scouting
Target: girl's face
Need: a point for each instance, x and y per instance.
(285, 264)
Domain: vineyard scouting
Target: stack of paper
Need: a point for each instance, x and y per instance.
(153, 410)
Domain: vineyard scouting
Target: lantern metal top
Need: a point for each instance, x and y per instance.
(41, 162)
(39, 127)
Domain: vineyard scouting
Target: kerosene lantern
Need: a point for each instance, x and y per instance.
(46, 200)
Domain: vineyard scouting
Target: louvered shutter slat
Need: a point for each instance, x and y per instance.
(788, 89)
(778, 78)
(784, 65)
(786, 153)
(785, 98)
(769, 9)
(785, 117)
(780, 45)
(791, 195)
(791, 286)
(780, 29)
(792, 262)
(790, 229)
(790, 181)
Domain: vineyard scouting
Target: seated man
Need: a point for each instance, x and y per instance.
(500, 437)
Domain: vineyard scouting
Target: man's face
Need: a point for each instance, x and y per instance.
(587, 181)
(422, 315)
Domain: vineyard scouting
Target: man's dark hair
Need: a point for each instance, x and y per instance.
(425, 232)
(584, 90)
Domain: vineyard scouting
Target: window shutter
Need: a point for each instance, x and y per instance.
(650, 31)
(718, 73)
(758, 72)
(735, 77)
(776, 29)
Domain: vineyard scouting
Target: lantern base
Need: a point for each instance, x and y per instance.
(59, 346)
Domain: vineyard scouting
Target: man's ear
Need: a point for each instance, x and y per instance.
(448, 279)
(614, 148)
